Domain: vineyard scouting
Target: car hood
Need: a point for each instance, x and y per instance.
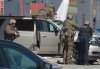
(55, 65)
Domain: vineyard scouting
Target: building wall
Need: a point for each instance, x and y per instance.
(85, 12)
(13, 7)
(1, 7)
(97, 14)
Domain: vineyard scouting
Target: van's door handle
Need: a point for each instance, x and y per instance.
(43, 35)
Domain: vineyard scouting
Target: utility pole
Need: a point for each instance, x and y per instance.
(85, 12)
(21, 7)
(97, 26)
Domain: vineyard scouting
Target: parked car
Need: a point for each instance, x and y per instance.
(35, 34)
(16, 56)
(94, 50)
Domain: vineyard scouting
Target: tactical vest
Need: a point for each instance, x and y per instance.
(85, 31)
(69, 29)
(46, 12)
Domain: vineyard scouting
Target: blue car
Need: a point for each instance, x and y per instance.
(15, 56)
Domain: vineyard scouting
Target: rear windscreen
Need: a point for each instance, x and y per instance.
(25, 25)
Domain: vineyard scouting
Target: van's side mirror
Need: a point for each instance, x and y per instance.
(56, 31)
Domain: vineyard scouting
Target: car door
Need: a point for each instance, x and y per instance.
(49, 39)
(27, 30)
(19, 57)
(3, 24)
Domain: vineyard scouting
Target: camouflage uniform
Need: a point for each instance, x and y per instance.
(68, 32)
(47, 12)
(11, 31)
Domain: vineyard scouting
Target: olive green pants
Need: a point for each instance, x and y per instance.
(68, 52)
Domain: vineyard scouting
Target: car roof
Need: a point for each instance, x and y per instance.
(58, 21)
(20, 17)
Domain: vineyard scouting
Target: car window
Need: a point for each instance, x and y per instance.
(51, 28)
(59, 23)
(1, 21)
(45, 26)
(25, 25)
(42, 25)
(19, 59)
(93, 41)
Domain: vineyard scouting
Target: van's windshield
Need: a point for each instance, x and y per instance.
(94, 41)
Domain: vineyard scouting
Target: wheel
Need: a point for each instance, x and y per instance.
(64, 56)
(92, 61)
(75, 54)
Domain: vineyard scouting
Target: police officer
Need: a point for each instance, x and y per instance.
(67, 38)
(11, 31)
(85, 33)
(51, 11)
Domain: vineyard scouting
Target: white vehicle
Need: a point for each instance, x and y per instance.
(94, 50)
(36, 33)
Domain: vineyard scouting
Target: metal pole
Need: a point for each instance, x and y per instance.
(21, 7)
(84, 12)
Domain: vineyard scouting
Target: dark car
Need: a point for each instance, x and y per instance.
(16, 56)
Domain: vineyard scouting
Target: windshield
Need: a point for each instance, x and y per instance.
(95, 41)
(59, 23)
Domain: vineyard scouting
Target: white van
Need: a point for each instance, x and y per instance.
(37, 33)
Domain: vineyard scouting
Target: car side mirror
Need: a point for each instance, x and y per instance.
(56, 32)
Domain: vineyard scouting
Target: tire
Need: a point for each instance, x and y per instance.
(92, 61)
(75, 54)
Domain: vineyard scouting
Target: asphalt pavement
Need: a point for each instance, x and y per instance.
(96, 65)
(81, 66)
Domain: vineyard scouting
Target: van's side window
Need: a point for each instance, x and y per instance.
(51, 28)
(42, 25)
(25, 25)
(45, 26)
